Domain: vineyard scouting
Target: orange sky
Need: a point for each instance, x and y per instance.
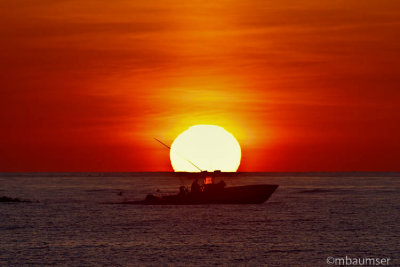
(303, 85)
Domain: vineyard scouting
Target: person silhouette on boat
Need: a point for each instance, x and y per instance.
(195, 188)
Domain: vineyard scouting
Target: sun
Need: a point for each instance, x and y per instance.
(209, 147)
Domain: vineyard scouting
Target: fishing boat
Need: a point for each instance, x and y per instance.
(209, 192)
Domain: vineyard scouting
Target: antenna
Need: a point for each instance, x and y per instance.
(179, 154)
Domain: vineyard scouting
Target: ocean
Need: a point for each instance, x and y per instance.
(311, 220)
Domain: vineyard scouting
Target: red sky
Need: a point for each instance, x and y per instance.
(303, 85)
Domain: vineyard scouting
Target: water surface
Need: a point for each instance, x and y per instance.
(308, 219)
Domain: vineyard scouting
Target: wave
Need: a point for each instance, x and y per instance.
(315, 191)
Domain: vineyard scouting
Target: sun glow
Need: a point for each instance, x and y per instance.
(209, 147)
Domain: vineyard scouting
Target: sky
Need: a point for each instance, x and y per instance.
(302, 85)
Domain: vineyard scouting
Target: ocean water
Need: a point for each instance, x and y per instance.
(308, 219)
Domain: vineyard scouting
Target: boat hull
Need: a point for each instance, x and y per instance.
(249, 194)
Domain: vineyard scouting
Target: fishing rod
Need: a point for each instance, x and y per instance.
(179, 155)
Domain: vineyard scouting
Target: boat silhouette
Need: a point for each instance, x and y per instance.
(209, 192)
